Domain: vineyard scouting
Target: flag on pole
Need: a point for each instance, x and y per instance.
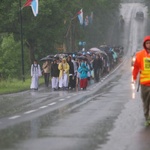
(34, 5)
(28, 3)
(80, 16)
(86, 21)
(91, 18)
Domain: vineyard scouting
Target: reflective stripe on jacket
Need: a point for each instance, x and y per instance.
(142, 64)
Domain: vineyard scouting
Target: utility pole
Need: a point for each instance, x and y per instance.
(21, 36)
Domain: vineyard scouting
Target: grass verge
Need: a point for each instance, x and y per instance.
(15, 85)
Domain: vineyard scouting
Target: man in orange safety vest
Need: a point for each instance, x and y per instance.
(142, 66)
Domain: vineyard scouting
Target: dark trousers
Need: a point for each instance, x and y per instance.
(96, 74)
(72, 82)
(46, 79)
(145, 94)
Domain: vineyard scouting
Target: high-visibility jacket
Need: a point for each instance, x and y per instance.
(142, 65)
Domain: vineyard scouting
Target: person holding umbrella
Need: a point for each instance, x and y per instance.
(71, 73)
(83, 73)
(97, 66)
(46, 71)
(54, 75)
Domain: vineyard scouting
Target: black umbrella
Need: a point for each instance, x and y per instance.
(97, 51)
(81, 57)
(61, 55)
(51, 56)
(47, 58)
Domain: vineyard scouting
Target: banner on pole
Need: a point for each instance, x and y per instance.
(80, 16)
(34, 5)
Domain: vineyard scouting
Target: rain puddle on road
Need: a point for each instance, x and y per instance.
(27, 130)
(13, 136)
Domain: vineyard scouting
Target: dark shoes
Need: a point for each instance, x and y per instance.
(65, 88)
(54, 89)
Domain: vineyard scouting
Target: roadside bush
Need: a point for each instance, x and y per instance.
(10, 58)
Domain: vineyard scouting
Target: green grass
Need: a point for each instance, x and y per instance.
(15, 85)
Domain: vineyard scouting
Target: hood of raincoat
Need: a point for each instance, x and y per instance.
(147, 38)
(83, 64)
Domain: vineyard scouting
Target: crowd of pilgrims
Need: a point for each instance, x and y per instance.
(68, 71)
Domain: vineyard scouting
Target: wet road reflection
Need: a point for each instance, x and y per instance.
(26, 130)
(141, 140)
(34, 129)
(28, 100)
(110, 120)
(144, 139)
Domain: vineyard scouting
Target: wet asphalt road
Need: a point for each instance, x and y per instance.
(108, 116)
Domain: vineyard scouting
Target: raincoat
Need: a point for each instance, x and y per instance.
(142, 65)
(83, 70)
(63, 74)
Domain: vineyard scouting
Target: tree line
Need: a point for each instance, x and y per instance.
(55, 28)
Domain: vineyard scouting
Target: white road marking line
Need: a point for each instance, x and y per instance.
(61, 99)
(52, 104)
(68, 96)
(14, 117)
(28, 112)
(43, 107)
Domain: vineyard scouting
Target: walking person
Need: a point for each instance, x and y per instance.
(54, 75)
(78, 74)
(97, 66)
(63, 74)
(71, 73)
(75, 65)
(83, 72)
(46, 69)
(35, 74)
(142, 66)
(89, 66)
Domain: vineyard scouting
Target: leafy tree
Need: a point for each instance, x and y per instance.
(56, 23)
(10, 58)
